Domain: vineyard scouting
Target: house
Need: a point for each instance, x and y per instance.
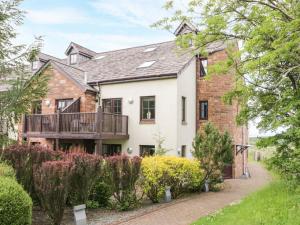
(128, 100)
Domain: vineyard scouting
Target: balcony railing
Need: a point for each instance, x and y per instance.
(94, 125)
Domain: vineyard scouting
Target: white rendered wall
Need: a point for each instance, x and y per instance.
(186, 132)
(165, 92)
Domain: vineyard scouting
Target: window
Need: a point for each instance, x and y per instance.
(99, 57)
(146, 64)
(34, 65)
(148, 108)
(183, 108)
(62, 103)
(147, 150)
(73, 58)
(203, 110)
(37, 107)
(112, 105)
(150, 49)
(111, 149)
(183, 151)
(203, 67)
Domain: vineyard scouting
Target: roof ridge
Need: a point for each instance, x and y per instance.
(51, 55)
(135, 47)
(68, 65)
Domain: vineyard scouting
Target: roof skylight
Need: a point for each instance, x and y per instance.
(150, 49)
(146, 64)
(99, 57)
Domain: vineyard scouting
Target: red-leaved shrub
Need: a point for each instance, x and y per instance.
(86, 170)
(51, 182)
(122, 175)
(25, 158)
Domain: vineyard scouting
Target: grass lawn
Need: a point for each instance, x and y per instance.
(273, 205)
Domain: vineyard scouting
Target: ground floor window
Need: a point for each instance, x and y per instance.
(147, 150)
(111, 149)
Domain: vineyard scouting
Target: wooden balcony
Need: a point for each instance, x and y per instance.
(94, 125)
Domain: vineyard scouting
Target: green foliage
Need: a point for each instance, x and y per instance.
(17, 96)
(86, 169)
(15, 203)
(266, 68)
(52, 183)
(213, 150)
(24, 159)
(180, 174)
(159, 149)
(122, 175)
(275, 204)
(101, 193)
(7, 171)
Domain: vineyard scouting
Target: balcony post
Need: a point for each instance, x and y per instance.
(24, 127)
(57, 129)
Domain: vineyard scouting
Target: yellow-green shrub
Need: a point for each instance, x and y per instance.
(180, 174)
(6, 171)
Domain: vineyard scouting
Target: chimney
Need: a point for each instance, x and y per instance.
(85, 77)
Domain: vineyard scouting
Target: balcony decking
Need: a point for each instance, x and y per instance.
(78, 125)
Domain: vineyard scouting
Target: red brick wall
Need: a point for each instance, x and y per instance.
(61, 87)
(220, 114)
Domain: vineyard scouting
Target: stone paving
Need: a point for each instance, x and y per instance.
(190, 209)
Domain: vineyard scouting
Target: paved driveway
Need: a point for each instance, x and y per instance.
(189, 210)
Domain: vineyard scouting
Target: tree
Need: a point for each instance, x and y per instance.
(213, 150)
(16, 95)
(267, 67)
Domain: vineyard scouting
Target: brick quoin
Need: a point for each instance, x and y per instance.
(221, 115)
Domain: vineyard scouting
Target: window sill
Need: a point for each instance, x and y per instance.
(147, 122)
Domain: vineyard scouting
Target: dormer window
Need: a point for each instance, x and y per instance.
(73, 59)
(34, 65)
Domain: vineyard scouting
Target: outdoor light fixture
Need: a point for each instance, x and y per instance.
(129, 150)
(130, 100)
(47, 102)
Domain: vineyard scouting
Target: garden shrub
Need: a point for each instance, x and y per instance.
(7, 171)
(85, 172)
(24, 158)
(213, 150)
(122, 175)
(51, 182)
(15, 203)
(180, 174)
(101, 193)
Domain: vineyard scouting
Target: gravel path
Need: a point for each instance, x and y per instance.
(182, 211)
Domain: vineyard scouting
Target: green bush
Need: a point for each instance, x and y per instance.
(7, 171)
(15, 203)
(101, 193)
(180, 174)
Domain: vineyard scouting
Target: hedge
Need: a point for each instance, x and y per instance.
(180, 174)
(15, 203)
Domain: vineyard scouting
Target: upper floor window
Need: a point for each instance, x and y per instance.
(203, 67)
(73, 58)
(62, 103)
(112, 105)
(183, 108)
(37, 107)
(34, 65)
(203, 110)
(148, 108)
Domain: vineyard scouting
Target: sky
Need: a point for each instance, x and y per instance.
(100, 25)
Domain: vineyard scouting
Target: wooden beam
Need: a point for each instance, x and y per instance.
(98, 150)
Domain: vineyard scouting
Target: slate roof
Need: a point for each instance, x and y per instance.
(122, 65)
(81, 49)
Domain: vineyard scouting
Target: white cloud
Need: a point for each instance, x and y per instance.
(57, 16)
(138, 12)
